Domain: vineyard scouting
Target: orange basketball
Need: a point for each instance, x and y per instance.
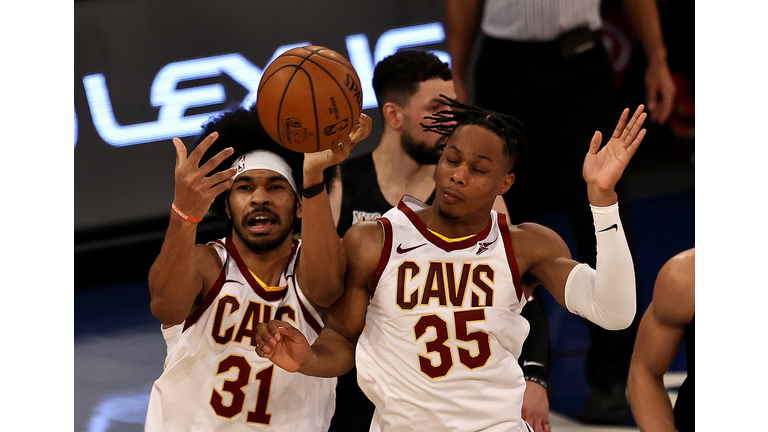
(309, 97)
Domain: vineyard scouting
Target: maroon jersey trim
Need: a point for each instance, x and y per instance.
(504, 228)
(386, 250)
(313, 323)
(316, 326)
(255, 285)
(437, 241)
(208, 300)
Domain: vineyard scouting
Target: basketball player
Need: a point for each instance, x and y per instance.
(408, 85)
(431, 310)
(667, 322)
(210, 297)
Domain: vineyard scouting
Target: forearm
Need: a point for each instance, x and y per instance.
(606, 295)
(650, 403)
(332, 356)
(462, 23)
(644, 16)
(173, 279)
(534, 358)
(322, 260)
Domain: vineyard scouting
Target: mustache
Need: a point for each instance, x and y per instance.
(260, 209)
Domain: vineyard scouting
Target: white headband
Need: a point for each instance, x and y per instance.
(263, 159)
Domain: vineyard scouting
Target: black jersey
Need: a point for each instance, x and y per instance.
(361, 198)
(684, 405)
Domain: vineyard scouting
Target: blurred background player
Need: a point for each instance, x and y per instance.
(544, 62)
(456, 364)
(209, 298)
(408, 85)
(667, 322)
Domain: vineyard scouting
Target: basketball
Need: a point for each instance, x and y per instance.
(308, 97)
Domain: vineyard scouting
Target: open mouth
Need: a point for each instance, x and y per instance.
(260, 222)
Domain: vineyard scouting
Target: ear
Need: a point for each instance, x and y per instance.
(298, 209)
(226, 206)
(393, 114)
(506, 183)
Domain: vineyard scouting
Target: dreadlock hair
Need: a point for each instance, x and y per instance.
(506, 127)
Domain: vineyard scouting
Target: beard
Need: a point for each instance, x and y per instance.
(422, 152)
(263, 243)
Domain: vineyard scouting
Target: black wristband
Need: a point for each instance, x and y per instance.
(312, 190)
(536, 380)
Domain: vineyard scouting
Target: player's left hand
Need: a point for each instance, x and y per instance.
(315, 163)
(283, 344)
(536, 407)
(603, 167)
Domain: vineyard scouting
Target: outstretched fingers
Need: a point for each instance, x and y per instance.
(636, 129)
(622, 123)
(632, 147)
(633, 127)
(213, 162)
(181, 152)
(199, 151)
(594, 145)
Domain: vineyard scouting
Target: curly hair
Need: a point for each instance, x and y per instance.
(241, 129)
(506, 127)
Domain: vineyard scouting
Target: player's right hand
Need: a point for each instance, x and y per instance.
(194, 192)
(281, 343)
(315, 163)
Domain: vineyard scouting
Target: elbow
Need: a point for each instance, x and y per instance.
(166, 314)
(327, 296)
(323, 291)
(619, 321)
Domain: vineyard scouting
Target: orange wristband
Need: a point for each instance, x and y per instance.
(184, 215)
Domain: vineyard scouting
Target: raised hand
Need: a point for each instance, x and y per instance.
(194, 192)
(315, 163)
(603, 167)
(281, 343)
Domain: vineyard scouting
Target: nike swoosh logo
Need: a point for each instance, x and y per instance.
(230, 280)
(400, 249)
(614, 226)
(532, 363)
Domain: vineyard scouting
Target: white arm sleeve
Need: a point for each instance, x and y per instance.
(606, 296)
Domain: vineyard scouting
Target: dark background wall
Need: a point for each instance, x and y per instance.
(141, 70)
(145, 71)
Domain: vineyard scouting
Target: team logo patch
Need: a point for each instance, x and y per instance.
(241, 164)
(482, 247)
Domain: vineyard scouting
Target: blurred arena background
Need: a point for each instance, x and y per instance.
(146, 71)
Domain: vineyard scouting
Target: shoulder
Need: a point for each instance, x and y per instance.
(533, 243)
(363, 243)
(674, 291)
(364, 235)
(208, 263)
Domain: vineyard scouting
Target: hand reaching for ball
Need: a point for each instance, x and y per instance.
(315, 163)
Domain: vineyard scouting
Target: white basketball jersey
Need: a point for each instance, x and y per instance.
(213, 379)
(443, 330)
